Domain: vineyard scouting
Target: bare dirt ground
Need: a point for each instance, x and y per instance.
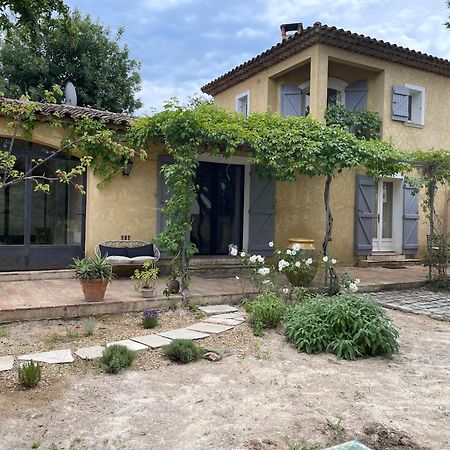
(263, 396)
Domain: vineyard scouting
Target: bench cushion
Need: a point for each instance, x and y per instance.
(115, 259)
(112, 251)
(140, 259)
(145, 250)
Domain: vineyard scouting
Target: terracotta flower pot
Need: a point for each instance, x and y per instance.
(94, 290)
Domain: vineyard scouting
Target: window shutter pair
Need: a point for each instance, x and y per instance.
(364, 214)
(400, 103)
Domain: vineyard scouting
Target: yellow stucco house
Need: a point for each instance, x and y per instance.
(314, 67)
(305, 72)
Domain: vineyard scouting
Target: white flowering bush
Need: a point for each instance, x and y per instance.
(349, 284)
(261, 274)
(299, 268)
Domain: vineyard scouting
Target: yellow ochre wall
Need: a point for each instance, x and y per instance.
(125, 206)
(299, 205)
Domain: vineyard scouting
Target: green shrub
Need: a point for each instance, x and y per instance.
(348, 326)
(29, 374)
(150, 318)
(183, 351)
(265, 311)
(117, 357)
(89, 325)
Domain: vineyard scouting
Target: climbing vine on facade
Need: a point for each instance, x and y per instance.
(282, 147)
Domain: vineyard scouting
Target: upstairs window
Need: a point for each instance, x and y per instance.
(243, 103)
(408, 104)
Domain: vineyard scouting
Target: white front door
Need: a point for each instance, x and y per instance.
(382, 225)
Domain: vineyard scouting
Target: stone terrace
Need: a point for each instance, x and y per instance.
(63, 298)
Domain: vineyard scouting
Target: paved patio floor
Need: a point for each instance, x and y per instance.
(33, 295)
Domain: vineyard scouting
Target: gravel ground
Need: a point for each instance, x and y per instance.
(38, 336)
(263, 396)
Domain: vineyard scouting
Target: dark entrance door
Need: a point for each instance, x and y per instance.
(217, 213)
(40, 230)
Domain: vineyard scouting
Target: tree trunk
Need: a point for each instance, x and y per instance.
(329, 274)
(431, 196)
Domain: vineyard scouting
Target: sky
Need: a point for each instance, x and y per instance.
(183, 44)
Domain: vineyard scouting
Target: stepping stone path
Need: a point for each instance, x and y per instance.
(152, 340)
(217, 309)
(131, 345)
(183, 333)
(213, 328)
(6, 363)
(52, 357)
(231, 322)
(221, 318)
(90, 352)
(353, 445)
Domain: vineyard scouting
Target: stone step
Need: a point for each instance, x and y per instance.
(55, 274)
(385, 256)
(390, 263)
(214, 261)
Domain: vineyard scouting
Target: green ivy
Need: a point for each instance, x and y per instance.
(365, 124)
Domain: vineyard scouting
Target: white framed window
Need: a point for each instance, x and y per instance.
(243, 103)
(416, 104)
(335, 94)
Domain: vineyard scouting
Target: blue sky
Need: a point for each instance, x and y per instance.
(183, 44)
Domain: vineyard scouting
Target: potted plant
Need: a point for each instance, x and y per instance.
(173, 285)
(145, 279)
(94, 275)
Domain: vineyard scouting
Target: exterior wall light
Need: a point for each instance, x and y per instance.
(127, 168)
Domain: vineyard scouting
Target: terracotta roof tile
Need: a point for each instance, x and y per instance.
(75, 112)
(334, 37)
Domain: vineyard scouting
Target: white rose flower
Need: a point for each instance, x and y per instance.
(271, 244)
(325, 259)
(260, 259)
(282, 265)
(353, 287)
(297, 264)
(264, 271)
(289, 251)
(296, 247)
(237, 278)
(357, 281)
(309, 261)
(333, 261)
(286, 291)
(253, 258)
(233, 252)
(242, 254)
(293, 252)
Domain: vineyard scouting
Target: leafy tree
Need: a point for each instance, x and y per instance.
(76, 49)
(29, 14)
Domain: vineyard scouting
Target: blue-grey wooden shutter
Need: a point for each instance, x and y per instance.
(363, 215)
(400, 103)
(356, 96)
(291, 100)
(410, 219)
(261, 214)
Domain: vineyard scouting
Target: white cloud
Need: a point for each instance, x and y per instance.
(154, 93)
(162, 5)
(250, 33)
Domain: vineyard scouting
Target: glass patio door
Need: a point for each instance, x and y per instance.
(40, 230)
(382, 202)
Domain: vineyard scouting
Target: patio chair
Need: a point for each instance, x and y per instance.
(127, 252)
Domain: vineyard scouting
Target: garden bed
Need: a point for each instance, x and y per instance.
(262, 396)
